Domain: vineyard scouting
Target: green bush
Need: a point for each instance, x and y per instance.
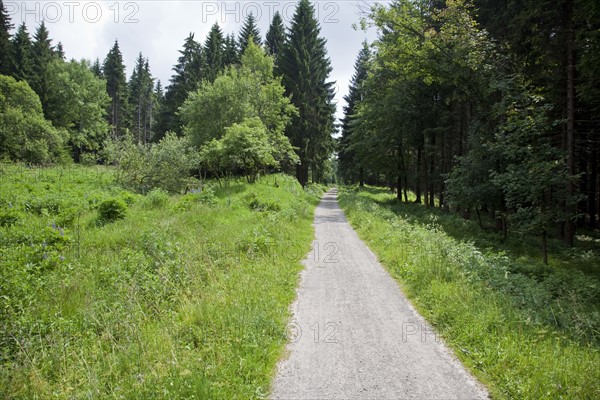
(111, 210)
(157, 198)
(257, 204)
(9, 217)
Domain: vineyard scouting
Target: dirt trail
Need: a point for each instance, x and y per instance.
(354, 333)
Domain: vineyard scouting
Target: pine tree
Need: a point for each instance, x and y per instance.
(213, 53)
(249, 30)
(6, 62)
(306, 68)
(22, 52)
(141, 100)
(188, 73)
(275, 36)
(230, 52)
(43, 54)
(97, 68)
(347, 158)
(60, 52)
(116, 86)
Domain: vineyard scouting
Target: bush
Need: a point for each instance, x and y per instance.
(157, 198)
(111, 210)
(257, 204)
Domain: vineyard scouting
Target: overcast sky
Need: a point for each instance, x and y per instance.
(157, 28)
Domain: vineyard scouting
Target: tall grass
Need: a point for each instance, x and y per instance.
(186, 297)
(527, 331)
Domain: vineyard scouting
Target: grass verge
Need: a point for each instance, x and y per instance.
(527, 331)
(151, 296)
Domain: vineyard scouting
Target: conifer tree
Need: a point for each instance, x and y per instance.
(249, 30)
(305, 68)
(275, 36)
(347, 157)
(116, 86)
(141, 100)
(43, 54)
(5, 45)
(22, 55)
(213, 53)
(187, 75)
(97, 68)
(230, 52)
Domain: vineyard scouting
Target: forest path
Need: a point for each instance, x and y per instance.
(354, 335)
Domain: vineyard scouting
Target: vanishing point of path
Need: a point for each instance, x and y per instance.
(354, 335)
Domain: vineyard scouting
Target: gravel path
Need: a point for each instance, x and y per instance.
(354, 335)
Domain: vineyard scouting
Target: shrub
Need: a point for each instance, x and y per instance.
(157, 198)
(111, 210)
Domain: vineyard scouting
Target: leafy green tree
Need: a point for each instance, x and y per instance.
(23, 54)
(6, 62)
(186, 78)
(249, 31)
(213, 53)
(116, 87)
(242, 93)
(305, 68)
(77, 102)
(24, 133)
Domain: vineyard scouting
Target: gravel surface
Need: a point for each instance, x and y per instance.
(353, 333)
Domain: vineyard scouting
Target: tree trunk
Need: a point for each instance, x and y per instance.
(418, 178)
(593, 188)
(361, 175)
(571, 208)
(545, 246)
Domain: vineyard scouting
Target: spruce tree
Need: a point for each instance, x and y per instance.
(116, 86)
(213, 53)
(188, 72)
(349, 164)
(6, 62)
(275, 36)
(141, 100)
(305, 68)
(22, 55)
(43, 54)
(97, 68)
(249, 30)
(60, 52)
(230, 52)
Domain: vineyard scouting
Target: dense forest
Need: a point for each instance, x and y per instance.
(56, 111)
(484, 108)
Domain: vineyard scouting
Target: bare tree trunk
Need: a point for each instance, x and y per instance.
(571, 208)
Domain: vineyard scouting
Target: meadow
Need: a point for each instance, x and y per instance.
(528, 331)
(105, 293)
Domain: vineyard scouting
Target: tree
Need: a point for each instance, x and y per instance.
(249, 31)
(22, 52)
(240, 94)
(306, 68)
(349, 164)
(213, 53)
(6, 62)
(96, 68)
(142, 100)
(231, 56)
(77, 102)
(116, 87)
(43, 54)
(275, 38)
(24, 133)
(186, 78)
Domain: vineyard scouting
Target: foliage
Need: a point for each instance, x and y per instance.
(163, 284)
(305, 68)
(166, 164)
(24, 133)
(111, 210)
(520, 326)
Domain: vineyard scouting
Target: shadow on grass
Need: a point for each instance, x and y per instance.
(525, 249)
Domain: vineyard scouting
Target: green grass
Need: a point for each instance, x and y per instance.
(527, 331)
(185, 297)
